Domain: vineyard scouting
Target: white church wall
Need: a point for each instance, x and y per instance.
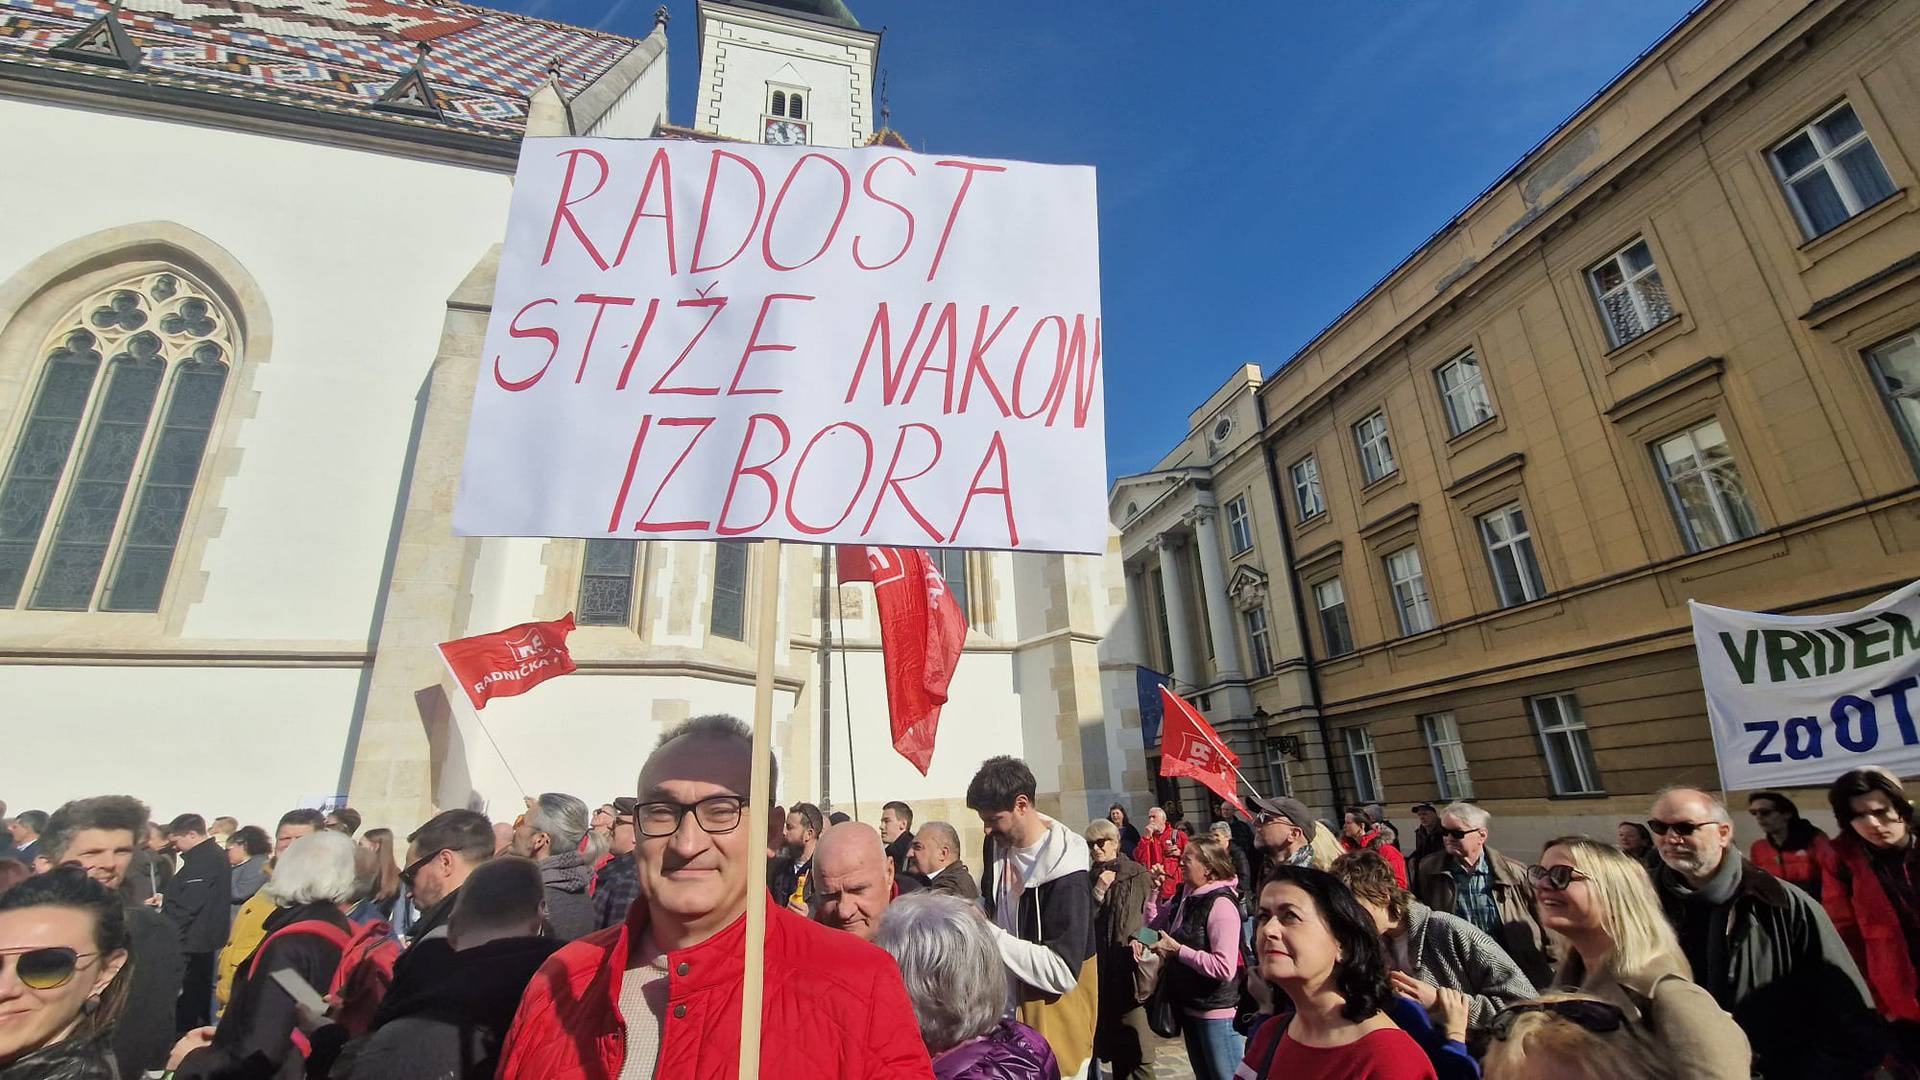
(745, 54)
(356, 253)
(252, 742)
(640, 109)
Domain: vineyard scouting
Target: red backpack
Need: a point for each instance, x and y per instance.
(364, 973)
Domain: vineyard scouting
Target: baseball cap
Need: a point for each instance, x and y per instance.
(1293, 810)
(1419, 806)
(623, 807)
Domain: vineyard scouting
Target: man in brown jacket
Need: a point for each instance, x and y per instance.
(1477, 883)
(934, 854)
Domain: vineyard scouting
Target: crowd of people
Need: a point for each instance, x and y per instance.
(609, 942)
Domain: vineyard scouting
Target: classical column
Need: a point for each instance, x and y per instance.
(1213, 578)
(1174, 592)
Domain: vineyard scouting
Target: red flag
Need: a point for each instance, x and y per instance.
(511, 662)
(921, 632)
(850, 562)
(1189, 747)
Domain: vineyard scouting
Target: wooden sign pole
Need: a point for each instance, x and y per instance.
(759, 803)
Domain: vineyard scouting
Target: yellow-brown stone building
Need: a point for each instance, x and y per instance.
(1674, 353)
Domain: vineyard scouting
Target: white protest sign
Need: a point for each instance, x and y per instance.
(1796, 700)
(696, 340)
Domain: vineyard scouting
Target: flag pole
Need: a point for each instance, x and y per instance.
(759, 800)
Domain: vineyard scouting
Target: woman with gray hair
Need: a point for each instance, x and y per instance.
(958, 986)
(312, 887)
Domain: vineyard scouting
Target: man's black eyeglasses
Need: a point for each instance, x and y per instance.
(717, 815)
(1458, 834)
(1678, 828)
(413, 867)
(1598, 1017)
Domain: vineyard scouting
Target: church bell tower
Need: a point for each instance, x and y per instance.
(794, 72)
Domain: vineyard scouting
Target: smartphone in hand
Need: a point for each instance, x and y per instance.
(1146, 935)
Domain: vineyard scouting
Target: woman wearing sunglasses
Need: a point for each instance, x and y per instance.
(1625, 953)
(1569, 1037)
(63, 948)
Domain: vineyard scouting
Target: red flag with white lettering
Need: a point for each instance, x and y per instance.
(922, 630)
(1190, 747)
(511, 662)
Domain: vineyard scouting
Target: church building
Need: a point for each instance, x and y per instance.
(244, 280)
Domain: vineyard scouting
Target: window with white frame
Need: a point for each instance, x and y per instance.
(1703, 484)
(1258, 642)
(1563, 739)
(1330, 600)
(606, 582)
(1464, 393)
(1376, 450)
(97, 491)
(1409, 584)
(791, 104)
(1307, 500)
(1516, 570)
(1632, 298)
(1366, 765)
(729, 590)
(1449, 756)
(1239, 526)
(1830, 170)
(1896, 371)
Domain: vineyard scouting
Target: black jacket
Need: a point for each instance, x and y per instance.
(198, 900)
(1776, 963)
(898, 850)
(73, 1059)
(147, 875)
(143, 1035)
(255, 1038)
(445, 1018)
(783, 875)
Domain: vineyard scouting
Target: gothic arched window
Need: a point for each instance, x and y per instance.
(96, 490)
(795, 106)
(779, 103)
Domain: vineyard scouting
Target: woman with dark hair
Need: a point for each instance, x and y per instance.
(247, 851)
(1316, 943)
(1869, 891)
(1635, 840)
(63, 955)
(1792, 849)
(1129, 836)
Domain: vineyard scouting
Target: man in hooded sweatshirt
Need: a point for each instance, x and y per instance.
(550, 835)
(1034, 884)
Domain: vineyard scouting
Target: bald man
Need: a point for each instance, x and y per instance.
(853, 879)
(935, 855)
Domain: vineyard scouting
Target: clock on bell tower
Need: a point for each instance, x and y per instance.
(786, 72)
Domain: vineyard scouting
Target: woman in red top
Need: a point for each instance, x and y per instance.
(1872, 890)
(1792, 849)
(1317, 943)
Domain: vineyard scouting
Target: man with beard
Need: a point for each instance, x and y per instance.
(789, 874)
(853, 880)
(550, 835)
(99, 835)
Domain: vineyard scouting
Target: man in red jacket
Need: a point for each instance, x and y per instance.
(1159, 851)
(659, 995)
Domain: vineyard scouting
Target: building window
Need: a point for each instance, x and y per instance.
(606, 582)
(1896, 371)
(788, 103)
(1410, 599)
(129, 387)
(1632, 298)
(779, 106)
(1449, 756)
(952, 564)
(1366, 765)
(1376, 451)
(1239, 526)
(1307, 501)
(1464, 393)
(729, 590)
(796, 106)
(1516, 571)
(1708, 498)
(1331, 601)
(1830, 171)
(1258, 642)
(1277, 773)
(1563, 739)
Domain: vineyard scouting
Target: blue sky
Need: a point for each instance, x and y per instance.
(1261, 164)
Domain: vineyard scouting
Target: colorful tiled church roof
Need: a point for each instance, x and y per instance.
(341, 56)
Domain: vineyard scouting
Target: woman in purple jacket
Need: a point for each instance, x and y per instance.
(953, 973)
(1200, 942)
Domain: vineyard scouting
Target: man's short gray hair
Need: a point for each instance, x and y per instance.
(1473, 816)
(562, 817)
(1716, 810)
(720, 726)
(939, 832)
(950, 964)
(317, 868)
